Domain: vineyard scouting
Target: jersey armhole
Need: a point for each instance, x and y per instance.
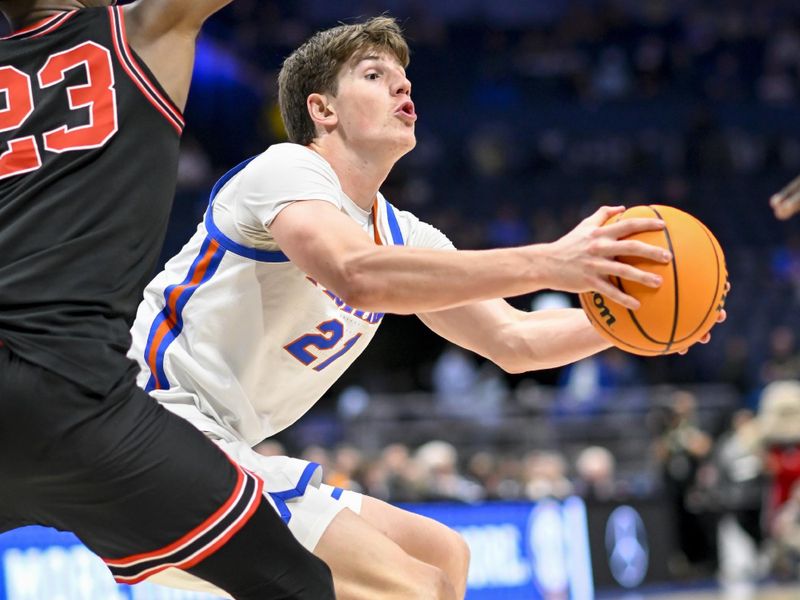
(138, 73)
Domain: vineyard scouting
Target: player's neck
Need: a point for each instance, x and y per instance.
(23, 14)
(361, 175)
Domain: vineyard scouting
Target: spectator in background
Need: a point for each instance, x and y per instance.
(319, 455)
(401, 475)
(680, 450)
(348, 462)
(783, 361)
(779, 420)
(499, 475)
(438, 463)
(545, 476)
(595, 469)
(464, 389)
(734, 367)
(455, 374)
(786, 535)
(738, 487)
(590, 384)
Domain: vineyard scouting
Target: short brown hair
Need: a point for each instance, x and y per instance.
(315, 66)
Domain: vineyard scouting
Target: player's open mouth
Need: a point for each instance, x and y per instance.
(406, 111)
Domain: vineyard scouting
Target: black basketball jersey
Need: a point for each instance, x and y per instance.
(88, 161)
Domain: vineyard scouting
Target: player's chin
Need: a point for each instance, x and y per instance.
(409, 138)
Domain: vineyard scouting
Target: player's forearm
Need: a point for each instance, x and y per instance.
(416, 280)
(548, 339)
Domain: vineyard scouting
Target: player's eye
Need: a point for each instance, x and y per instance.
(372, 76)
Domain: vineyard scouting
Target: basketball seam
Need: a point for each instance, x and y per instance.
(667, 345)
(588, 311)
(676, 305)
(621, 287)
(716, 287)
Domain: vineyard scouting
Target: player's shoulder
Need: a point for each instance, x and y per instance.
(288, 154)
(289, 164)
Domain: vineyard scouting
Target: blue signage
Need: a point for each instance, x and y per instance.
(37, 563)
(522, 551)
(519, 551)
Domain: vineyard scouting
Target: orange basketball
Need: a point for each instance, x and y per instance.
(685, 307)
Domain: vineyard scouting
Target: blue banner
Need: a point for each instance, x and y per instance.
(522, 551)
(519, 551)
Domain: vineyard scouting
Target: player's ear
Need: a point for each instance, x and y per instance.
(320, 110)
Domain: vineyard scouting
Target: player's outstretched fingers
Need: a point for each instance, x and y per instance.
(602, 286)
(603, 214)
(631, 273)
(640, 250)
(627, 227)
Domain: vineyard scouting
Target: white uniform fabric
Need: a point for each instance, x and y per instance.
(237, 340)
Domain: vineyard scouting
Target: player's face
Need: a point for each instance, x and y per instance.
(373, 105)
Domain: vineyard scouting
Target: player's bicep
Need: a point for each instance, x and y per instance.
(478, 327)
(319, 239)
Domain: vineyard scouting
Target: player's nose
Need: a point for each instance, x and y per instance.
(403, 87)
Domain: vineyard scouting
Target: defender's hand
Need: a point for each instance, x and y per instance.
(584, 259)
(786, 202)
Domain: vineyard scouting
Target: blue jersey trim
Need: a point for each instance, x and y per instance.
(280, 498)
(337, 493)
(223, 240)
(394, 227)
(172, 313)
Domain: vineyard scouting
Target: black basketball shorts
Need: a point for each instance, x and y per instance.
(141, 487)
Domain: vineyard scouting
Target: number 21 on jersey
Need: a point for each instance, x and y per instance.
(98, 95)
(330, 334)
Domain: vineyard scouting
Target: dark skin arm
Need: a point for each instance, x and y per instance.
(787, 202)
(162, 32)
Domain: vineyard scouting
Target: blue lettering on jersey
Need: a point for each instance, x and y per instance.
(372, 318)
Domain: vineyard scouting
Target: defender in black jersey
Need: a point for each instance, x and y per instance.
(89, 136)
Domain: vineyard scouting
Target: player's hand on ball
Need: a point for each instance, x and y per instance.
(720, 318)
(786, 202)
(586, 257)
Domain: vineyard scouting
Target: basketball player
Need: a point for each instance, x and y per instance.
(288, 277)
(786, 203)
(89, 131)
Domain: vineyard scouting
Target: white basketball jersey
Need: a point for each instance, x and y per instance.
(234, 337)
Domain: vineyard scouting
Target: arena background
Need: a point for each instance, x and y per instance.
(617, 476)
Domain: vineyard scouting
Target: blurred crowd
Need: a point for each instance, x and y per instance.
(732, 492)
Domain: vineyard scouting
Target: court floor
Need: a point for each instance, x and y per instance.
(770, 592)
